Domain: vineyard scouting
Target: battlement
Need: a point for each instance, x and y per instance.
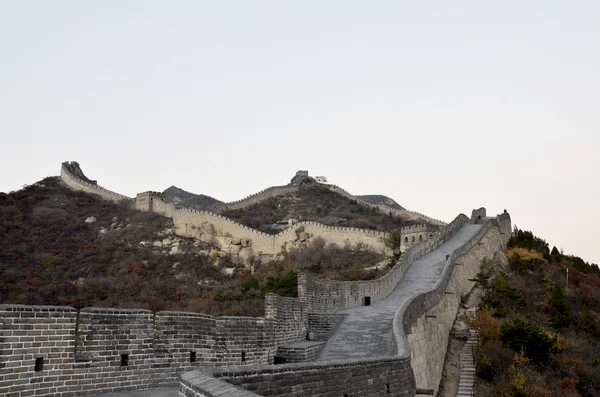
(72, 175)
(188, 221)
(151, 193)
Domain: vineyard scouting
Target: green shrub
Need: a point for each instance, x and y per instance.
(526, 239)
(561, 313)
(524, 335)
(589, 324)
(284, 285)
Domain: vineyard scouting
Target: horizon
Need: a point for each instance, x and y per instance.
(441, 107)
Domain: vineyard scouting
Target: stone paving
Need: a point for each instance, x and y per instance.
(367, 331)
(158, 392)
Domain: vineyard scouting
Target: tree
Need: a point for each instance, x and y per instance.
(524, 335)
(393, 240)
(526, 239)
(561, 313)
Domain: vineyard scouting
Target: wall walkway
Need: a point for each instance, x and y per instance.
(368, 330)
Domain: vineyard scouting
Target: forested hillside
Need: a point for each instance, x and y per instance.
(539, 335)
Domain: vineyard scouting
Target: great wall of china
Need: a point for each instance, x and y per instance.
(192, 223)
(59, 351)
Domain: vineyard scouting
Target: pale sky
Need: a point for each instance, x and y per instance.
(442, 105)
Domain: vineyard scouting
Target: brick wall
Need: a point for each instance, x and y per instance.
(300, 352)
(100, 349)
(244, 340)
(290, 317)
(322, 325)
(42, 334)
(386, 376)
(182, 342)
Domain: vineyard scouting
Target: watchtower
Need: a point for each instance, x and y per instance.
(144, 201)
(299, 177)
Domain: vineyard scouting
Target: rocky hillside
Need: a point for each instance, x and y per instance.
(379, 199)
(313, 202)
(61, 247)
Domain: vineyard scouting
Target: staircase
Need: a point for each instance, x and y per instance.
(466, 384)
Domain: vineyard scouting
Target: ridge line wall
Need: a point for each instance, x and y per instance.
(382, 207)
(274, 191)
(76, 183)
(326, 296)
(257, 197)
(189, 221)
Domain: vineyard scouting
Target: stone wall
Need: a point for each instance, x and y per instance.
(182, 342)
(274, 191)
(256, 198)
(58, 351)
(77, 183)
(412, 215)
(205, 226)
(245, 340)
(326, 296)
(421, 326)
(290, 315)
(300, 352)
(116, 345)
(385, 376)
(198, 224)
(322, 325)
(37, 334)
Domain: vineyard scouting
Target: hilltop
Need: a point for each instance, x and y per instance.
(314, 202)
(183, 198)
(64, 247)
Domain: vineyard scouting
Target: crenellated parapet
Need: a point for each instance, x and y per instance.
(72, 176)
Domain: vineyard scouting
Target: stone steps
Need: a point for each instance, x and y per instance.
(466, 382)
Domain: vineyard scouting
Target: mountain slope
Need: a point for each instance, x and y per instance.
(182, 198)
(314, 202)
(379, 199)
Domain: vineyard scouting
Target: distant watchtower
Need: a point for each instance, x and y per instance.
(300, 176)
(144, 201)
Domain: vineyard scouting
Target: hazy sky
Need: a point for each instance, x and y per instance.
(442, 105)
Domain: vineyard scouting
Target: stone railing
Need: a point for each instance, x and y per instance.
(325, 296)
